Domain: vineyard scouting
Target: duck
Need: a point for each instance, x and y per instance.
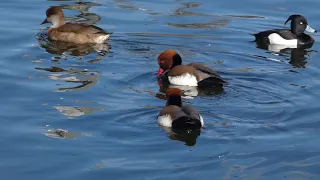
(77, 33)
(177, 116)
(172, 71)
(292, 37)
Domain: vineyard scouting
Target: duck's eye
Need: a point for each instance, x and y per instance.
(301, 22)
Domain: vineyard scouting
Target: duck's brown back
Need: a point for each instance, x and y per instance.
(78, 33)
(181, 69)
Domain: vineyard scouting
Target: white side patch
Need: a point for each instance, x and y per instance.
(275, 38)
(183, 80)
(102, 39)
(201, 120)
(165, 120)
(279, 47)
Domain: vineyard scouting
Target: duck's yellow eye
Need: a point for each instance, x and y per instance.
(301, 22)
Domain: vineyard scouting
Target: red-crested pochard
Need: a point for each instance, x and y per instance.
(177, 116)
(72, 32)
(194, 74)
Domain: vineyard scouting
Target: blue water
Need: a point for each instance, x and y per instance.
(86, 115)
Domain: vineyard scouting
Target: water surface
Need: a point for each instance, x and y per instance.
(88, 115)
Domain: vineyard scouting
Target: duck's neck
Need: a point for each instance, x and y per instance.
(57, 21)
(176, 60)
(174, 100)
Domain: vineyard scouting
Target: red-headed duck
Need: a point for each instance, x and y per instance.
(177, 116)
(194, 74)
(72, 32)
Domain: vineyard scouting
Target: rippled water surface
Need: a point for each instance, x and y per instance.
(82, 114)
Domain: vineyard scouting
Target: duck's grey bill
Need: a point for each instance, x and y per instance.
(310, 29)
(44, 22)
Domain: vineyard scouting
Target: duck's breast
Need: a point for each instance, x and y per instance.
(183, 75)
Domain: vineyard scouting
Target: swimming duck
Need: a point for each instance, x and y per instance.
(72, 32)
(194, 74)
(292, 37)
(177, 116)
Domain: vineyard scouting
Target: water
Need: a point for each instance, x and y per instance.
(88, 115)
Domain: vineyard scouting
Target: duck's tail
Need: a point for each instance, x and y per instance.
(255, 35)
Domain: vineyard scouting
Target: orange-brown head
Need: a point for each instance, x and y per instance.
(174, 97)
(167, 60)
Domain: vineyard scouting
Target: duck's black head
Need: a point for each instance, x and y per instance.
(299, 24)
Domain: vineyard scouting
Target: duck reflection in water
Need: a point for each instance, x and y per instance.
(187, 136)
(83, 8)
(182, 122)
(297, 56)
(87, 79)
(64, 134)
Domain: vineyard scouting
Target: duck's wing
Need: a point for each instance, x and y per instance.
(78, 28)
(191, 111)
(205, 72)
(169, 114)
(203, 68)
(192, 121)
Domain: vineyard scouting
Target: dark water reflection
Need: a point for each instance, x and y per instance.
(297, 56)
(97, 107)
(85, 78)
(64, 134)
(188, 137)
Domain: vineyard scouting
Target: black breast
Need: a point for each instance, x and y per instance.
(305, 39)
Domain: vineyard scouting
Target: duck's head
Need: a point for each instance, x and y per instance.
(55, 16)
(174, 97)
(299, 24)
(167, 60)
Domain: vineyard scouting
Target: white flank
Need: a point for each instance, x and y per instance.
(279, 47)
(183, 80)
(201, 120)
(102, 39)
(165, 120)
(275, 38)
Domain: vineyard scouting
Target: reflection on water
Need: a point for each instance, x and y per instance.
(297, 56)
(187, 136)
(76, 111)
(83, 8)
(64, 134)
(85, 78)
(210, 25)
